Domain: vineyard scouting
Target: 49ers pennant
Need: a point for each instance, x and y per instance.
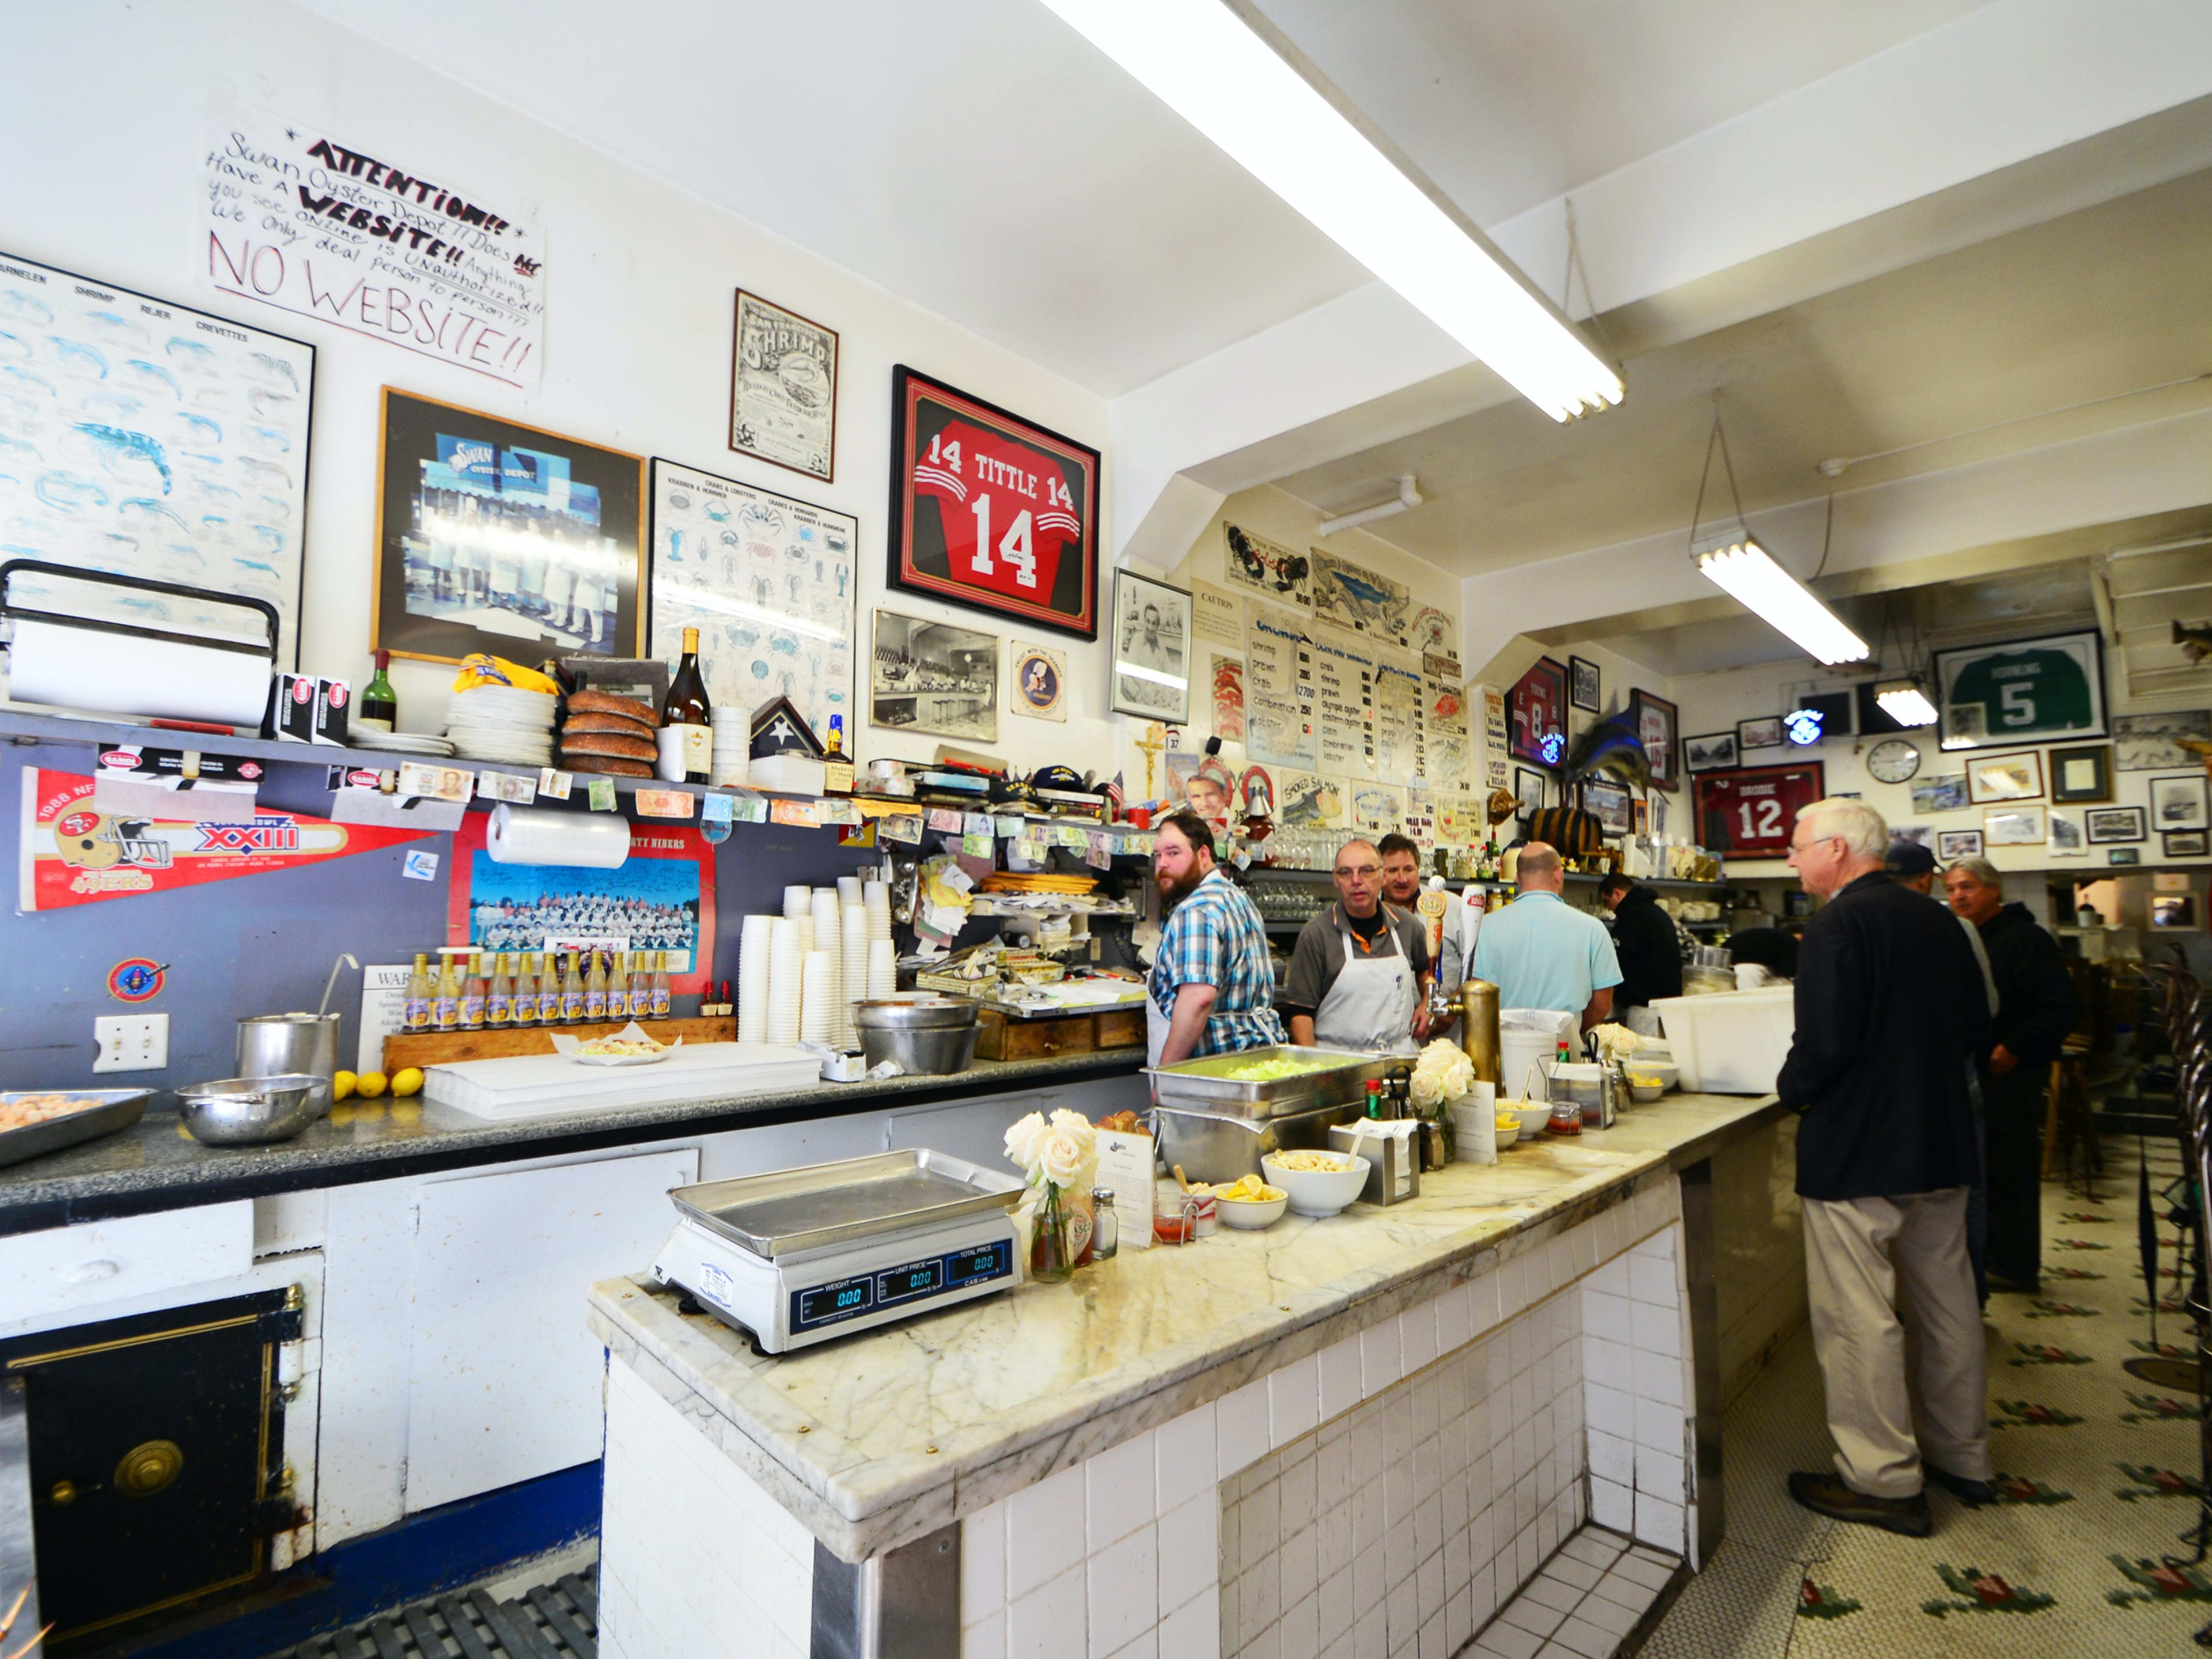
(991, 511)
(72, 853)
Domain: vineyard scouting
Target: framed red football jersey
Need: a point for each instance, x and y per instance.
(991, 511)
(1752, 813)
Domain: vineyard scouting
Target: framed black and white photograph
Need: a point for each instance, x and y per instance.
(2012, 826)
(1953, 844)
(1528, 789)
(2187, 844)
(933, 677)
(1608, 802)
(2066, 840)
(1716, 751)
(1946, 793)
(2124, 855)
(1584, 684)
(769, 582)
(2151, 743)
(2006, 777)
(1151, 649)
(783, 388)
(496, 537)
(2178, 803)
(2081, 774)
(1659, 726)
(1764, 732)
(2046, 690)
(2111, 823)
(1913, 835)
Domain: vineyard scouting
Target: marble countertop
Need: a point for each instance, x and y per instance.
(156, 1165)
(877, 1439)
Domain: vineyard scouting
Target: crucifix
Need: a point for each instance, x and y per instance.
(1154, 740)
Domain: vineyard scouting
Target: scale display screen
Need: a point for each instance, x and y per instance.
(911, 1281)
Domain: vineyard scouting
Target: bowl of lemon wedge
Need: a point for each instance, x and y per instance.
(1250, 1204)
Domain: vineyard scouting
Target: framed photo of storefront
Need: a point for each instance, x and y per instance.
(1952, 844)
(1752, 813)
(991, 511)
(2116, 823)
(2046, 690)
(496, 537)
(932, 676)
(783, 388)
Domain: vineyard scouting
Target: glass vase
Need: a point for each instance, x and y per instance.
(1052, 1247)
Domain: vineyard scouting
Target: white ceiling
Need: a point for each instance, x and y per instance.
(980, 159)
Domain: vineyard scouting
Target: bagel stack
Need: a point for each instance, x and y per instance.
(606, 733)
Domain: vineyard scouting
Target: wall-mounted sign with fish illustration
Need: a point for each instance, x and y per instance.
(1364, 601)
(496, 537)
(766, 580)
(147, 439)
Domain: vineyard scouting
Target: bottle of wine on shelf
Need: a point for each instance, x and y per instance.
(836, 764)
(687, 711)
(378, 708)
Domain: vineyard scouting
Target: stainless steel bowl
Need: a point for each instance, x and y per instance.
(930, 1035)
(247, 1111)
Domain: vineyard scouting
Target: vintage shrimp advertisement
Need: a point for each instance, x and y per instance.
(766, 581)
(297, 218)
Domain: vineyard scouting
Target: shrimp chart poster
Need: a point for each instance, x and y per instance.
(766, 581)
(146, 439)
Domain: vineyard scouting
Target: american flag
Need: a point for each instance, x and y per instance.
(1113, 794)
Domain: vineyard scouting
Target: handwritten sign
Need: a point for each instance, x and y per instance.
(300, 219)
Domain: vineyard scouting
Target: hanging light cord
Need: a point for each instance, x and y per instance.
(1718, 435)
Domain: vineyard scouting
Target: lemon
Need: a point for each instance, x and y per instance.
(369, 1084)
(408, 1080)
(341, 1086)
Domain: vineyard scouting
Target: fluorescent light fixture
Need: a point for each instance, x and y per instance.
(1758, 584)
(1904, 701)
(1229, 72)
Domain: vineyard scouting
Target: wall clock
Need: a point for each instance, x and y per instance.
(1892, 760)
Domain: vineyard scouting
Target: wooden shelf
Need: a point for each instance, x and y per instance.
(501, 1042)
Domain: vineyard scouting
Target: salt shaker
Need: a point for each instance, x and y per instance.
(1107, 1239)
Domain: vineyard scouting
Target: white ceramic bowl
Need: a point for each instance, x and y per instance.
(1317, 1192)
(1251, 1215)
(1534, 1115)
(1644, 1093)
(1666, 1071)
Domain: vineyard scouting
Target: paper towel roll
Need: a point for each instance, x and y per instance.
(123, 674)
(580, 840)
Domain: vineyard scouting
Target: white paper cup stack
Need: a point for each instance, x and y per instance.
(819, 1000)
(854, 921)
(786, 964)
(876, 899)
(883, 968)
(733, 736)
(799, 901)
(755, 944)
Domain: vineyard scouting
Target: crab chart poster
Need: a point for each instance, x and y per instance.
(69, 854)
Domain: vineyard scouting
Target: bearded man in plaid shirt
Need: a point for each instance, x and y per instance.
(1213, 989)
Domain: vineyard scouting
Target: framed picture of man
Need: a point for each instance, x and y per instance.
(496, 537)
(991, 511)
(1151, 649)
(1584, 683)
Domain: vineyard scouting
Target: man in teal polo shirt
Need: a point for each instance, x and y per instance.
(1542, 953)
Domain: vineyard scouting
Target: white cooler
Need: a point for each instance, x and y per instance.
(1731, 1043)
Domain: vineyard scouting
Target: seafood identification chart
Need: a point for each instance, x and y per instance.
(147, 439)
(766, 581)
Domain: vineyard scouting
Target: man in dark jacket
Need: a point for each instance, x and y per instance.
(1650, 953)
(1889, 1005)
(2037, 1006)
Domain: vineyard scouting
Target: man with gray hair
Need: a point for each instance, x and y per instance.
(1889, 1004)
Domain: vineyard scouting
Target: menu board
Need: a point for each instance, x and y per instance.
(1494, 730)
(1279, 725)
(1399, 748)
(1444, 736)
(1377, 809)
(1344, 694)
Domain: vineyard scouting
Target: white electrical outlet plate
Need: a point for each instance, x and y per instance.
(131, 1042)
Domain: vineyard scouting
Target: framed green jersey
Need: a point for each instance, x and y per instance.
(2040, 691)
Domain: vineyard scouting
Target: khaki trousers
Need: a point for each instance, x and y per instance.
(1899, 1335)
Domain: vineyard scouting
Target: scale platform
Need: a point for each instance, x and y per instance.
(804, 1255)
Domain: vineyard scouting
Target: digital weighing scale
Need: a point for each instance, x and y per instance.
(804, 1255)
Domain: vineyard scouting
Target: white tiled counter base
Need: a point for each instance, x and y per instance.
(1299, 1516)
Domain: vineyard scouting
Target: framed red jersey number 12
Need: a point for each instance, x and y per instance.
(991, 511)
(1752, 813)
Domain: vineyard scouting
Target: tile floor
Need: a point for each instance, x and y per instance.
(2100, 1472)
(1585, 1602)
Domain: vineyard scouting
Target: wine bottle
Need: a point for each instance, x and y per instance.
(379, 708)
(687, 711)
(836, 764)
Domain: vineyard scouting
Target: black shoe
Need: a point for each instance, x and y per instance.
(2011, 1286)
(1824, 1494)
(1973, 1493)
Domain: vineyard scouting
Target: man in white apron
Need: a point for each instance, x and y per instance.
(1360, 974)
(1212, 987)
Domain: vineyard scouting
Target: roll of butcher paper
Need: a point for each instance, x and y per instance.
(127, 674)
(581, 840)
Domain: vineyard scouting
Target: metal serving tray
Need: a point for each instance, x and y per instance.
(1216, 1146)
(856, 1198)
(119, 1110)
(1199, 1085)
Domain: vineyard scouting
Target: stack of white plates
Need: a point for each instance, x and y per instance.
(852, 923)
(786, 962)
(819, 1000)
(502, 723)
(733, 739)
(883, 968)
(400, 743)
(876, 899)
(754, 942)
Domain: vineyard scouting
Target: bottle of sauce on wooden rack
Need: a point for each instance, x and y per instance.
(525, 995)
(473, 992)
(499, 995)
(595, 989)
(617, 987)
(445, 1000)
(548, 991)
(572, 993)
(420, 991)
(660, 986)
(687, 711)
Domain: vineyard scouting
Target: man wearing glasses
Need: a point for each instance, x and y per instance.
(1889, 1004)
(1359, 976)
